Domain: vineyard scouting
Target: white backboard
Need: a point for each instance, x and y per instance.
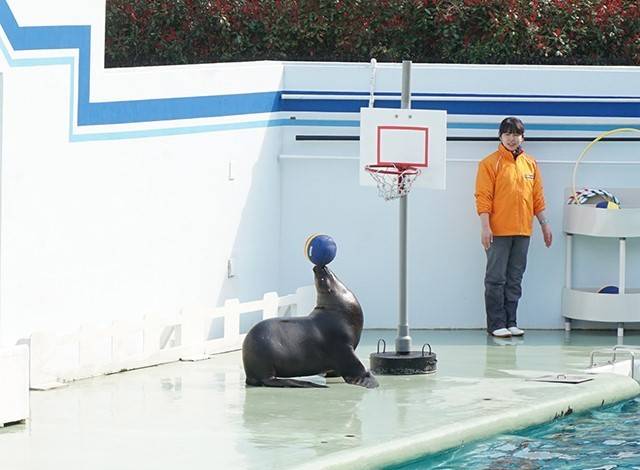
(405, 136)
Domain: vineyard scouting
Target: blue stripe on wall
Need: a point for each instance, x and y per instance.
(120, 112)
(53, 37)
(498, 108)
(365, 94)
(179, 108)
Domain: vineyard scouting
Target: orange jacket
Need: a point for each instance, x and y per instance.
(510, 191)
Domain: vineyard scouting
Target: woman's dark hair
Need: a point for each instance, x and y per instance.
(511, 125)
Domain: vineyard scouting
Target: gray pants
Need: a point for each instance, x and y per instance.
(506, 262)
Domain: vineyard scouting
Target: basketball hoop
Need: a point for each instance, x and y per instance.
(393, 180)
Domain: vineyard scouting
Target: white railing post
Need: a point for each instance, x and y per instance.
(14, 393)
(193, 335)
(305, 300)
(42, 372)
(232, 323)
(95, 350)
(152, 327)
(119, 354)
(215, 345)
(270, 308)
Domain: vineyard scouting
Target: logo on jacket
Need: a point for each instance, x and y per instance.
(529, 177)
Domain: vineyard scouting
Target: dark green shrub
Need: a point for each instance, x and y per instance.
(154, 32)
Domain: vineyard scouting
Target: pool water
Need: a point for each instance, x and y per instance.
(604, 439)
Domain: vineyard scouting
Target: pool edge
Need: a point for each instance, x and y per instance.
(605, 389)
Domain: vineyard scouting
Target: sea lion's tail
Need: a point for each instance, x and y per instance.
(283, 383)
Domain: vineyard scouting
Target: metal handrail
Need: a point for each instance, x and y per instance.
(622, 347)
(630, 350)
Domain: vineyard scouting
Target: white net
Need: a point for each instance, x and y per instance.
(393, 181)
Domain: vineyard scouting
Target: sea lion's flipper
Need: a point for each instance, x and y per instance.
(290, 383)
(367, 380)
(351, 369)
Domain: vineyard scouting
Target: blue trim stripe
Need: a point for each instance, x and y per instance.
(473, 95)
(139, 134)
(469, 125)
(24, 38)
(543, 127)
(485, 108)
(178, 108)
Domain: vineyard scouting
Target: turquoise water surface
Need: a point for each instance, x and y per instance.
(603, 439)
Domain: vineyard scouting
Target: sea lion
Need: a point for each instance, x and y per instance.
(320, 343)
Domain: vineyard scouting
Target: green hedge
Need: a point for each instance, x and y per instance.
(155, 32)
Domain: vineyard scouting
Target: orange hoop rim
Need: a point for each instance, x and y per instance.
(392, 169)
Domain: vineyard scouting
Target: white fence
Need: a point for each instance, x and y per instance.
(14, 393)
(155, 339)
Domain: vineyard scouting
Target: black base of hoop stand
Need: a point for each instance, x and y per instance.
(394, 363)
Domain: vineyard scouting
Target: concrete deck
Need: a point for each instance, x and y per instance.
(199, 415)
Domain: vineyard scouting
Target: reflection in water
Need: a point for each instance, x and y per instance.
(174, 384)
(172, 387)
(500, 355)
(312, 418)
(600, 338)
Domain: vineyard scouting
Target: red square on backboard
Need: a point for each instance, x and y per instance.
(421, 160)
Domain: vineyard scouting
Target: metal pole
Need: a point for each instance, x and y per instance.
(622, 275)
(405, 100)
(622, 266)
(568, 262)
(403, 341)
(568, 273)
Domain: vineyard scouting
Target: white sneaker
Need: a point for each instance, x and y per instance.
(501, 333)
(515, 331)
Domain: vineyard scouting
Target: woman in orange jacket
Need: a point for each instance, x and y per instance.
(508, 194)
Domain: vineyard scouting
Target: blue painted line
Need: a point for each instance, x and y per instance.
(121, 112)
(487, 108)
(31, 62)
(545, 127)
(24, 38)
(42, 62)
(172, 131)
(320, 122)
(474, 95)
(72, 108)
(179, 108)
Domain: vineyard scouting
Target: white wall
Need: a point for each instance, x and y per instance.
(99, 231)
(130, 209)
(321, 193)
(96, 226)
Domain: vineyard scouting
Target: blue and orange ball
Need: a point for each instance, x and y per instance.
(320, 249)
(607, 205)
